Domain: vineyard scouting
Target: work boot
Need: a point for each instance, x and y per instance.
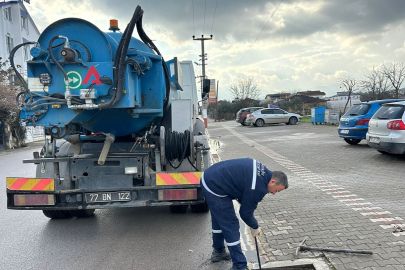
(217, 256)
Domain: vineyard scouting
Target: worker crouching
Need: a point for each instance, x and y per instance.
(247, 181)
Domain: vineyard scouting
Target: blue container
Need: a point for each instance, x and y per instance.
(318, 115)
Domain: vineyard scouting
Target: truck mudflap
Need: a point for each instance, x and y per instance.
(40, 194)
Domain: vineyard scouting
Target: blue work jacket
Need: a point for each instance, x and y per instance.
(242, 179)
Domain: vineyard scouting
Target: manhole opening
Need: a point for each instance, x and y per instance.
(294, 267)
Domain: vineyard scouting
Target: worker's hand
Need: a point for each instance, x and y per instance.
(256, 232)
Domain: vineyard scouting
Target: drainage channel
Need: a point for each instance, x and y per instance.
(300, 264)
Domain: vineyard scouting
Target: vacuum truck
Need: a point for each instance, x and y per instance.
(122, 124)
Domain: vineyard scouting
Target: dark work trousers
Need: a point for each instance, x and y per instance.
(225, 225)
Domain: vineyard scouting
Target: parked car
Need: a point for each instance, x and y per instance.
(386, 133)
(353, 125)
(242, 113)
(272, 116)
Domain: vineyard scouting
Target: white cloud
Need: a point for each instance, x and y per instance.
(306, 45)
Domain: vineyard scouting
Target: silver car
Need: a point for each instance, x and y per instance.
(386, 132)
(272, 116)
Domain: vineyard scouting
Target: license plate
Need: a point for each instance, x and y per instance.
(374, 139)
(120, 196)
(344, 131)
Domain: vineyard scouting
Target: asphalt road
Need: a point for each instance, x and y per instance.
(137, 238)
(153, 238)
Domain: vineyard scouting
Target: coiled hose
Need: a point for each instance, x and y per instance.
(177, 146)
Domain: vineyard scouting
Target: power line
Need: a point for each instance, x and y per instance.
(195, 45)
(193, 16)
(205, 9)
(212, 27)
(260, 33)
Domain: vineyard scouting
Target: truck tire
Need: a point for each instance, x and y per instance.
(57, 214)
(178, 209)
(82, 213)
(200, 208)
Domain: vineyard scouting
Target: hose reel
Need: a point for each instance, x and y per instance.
(176, 146)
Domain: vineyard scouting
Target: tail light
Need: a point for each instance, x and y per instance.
(362, 122)
(396, 125)
(177, 194)
(34, 199)
(250, 115)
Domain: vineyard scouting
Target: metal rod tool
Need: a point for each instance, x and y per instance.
(257, 251)
(302, 247)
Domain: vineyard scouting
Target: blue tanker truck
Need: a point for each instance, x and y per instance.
(122, 125)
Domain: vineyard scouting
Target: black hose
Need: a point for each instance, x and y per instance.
(11, 58)
(144, 37)
(119, 60)
(54, 59)
(136, 65)
(177, 146)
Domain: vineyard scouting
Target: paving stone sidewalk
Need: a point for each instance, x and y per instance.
(338, 196)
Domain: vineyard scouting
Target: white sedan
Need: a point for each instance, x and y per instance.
(272, 116)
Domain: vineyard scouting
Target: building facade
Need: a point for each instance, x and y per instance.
(339, 101)
(272, 98)
(16, 27)
(314, 94)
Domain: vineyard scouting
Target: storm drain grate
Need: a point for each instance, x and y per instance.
(299, 264)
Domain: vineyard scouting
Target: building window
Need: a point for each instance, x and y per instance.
(26, 49)
(24, 23)
(9, 43)
(7, 14)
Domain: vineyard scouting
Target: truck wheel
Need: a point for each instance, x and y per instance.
(178, 209)
(200, 208)
(57, 214)
(82, 213)
(352, 141)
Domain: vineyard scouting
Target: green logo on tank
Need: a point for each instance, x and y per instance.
(75, 79)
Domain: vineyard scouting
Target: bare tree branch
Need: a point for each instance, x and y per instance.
(376, 85)
(349, 83)
(245, 89)
(395, 73)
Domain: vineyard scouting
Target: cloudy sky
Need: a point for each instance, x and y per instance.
(305, 45)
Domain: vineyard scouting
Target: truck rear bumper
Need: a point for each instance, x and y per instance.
(138, 197)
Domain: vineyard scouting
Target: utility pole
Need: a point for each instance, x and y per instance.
(204, 96)
(216, 103)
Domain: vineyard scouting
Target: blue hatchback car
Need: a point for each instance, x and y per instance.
(354, 124)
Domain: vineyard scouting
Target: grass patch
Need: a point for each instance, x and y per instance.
(306, 119)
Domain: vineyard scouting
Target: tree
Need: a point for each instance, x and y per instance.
(294, 105)
(376, 85)
(395, 73)
(245, 90)
(9, 111)
(349, 83)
